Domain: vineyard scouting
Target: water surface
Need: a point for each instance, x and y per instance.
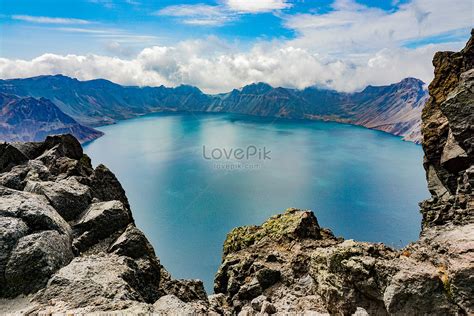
(362, 184)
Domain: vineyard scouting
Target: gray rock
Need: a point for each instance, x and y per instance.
(172, 305)
(185, 290)
(69, 197)
(10, 157)
(268, 308)
(267, 277)
(257, 302)
(132, 243)
(103, 282)
(66, 144)
(33, 209)
(11, 229)
(100, 220)
(34, 259)
(106, 187)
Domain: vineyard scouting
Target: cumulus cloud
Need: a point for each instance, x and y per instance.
(190, 62)
(48, 20)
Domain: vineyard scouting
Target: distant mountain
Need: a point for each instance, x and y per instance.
(99, 102)
(395, 108)
(30, 119)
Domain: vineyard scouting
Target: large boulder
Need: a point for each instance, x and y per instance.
(34, 259)
(11, 230)
(99, 282)
(68, 196)
(33, 209)
(10, 157)
(100, 220)
(132, 243)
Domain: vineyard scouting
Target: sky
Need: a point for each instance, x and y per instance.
(219, 45)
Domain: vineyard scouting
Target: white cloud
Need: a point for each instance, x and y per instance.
(49, 20)
(216, 15)
(199, 14)
(257, 6)
(215, 67)
(354, 28)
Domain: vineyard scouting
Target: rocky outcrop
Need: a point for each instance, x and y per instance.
(68, 241)
(291, 265)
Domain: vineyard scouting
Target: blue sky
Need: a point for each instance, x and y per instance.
(233, 41)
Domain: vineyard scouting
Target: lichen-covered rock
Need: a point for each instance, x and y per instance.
(291, 225)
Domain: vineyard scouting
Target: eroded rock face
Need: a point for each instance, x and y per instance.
(448, 139)
(68, 239)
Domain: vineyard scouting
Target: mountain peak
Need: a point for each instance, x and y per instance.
(257, 88)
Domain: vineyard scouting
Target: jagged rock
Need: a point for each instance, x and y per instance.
(34, 210)
(11, 230)
(132, 243)
(10, 157)
(293, 224)
(113, 266)
(448, 131)
(98, 282)
(69, 197)
(105, 186)
(99, 220)
(185, 290)
(257, 302)
(66, 144)
(34, 259)
(15, 178)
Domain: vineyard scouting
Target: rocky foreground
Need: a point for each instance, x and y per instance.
(69, 244)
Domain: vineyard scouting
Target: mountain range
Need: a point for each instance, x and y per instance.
(394, 108)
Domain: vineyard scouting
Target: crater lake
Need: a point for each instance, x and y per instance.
(190, 178)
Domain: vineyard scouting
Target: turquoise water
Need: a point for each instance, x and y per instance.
(362, 184)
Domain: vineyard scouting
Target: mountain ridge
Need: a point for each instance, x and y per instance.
(394, 108)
